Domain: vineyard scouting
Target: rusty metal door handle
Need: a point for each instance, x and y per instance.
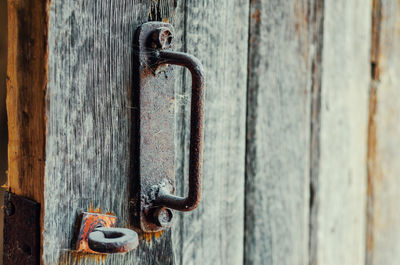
(155, 121)
(164, 198)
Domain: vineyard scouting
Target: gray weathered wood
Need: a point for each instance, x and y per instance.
(384, 141)
(89, 105)
(216, 32)
(306, 140)
(89, 126)
(341, 190)
(278, 136)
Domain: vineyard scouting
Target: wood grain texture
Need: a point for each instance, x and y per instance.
(216, 32)
(89, 118)
(3, 89)
(315, 128)
(278, 131)
(89, 109)
(3, 113)
(341, 190)
(384, 141)
(26, 89)
(307, 112)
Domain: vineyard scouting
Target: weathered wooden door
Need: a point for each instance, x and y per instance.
(301, 127)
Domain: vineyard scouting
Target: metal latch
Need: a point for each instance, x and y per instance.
(155, 123)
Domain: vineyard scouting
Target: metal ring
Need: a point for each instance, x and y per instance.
(113, 240)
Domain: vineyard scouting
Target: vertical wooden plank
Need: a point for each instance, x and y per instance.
(3, 109)
(89, 106)
(216, 32)
(3, 112)
(341, 189)
(384, 130)
(26, 88)
(278, 131)
(315, 129)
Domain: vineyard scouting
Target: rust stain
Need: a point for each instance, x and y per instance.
(74, 257)
(308, 26)
(88, 222)
(94, 210)
(256, 16)
(374, 173)
(162, 10)
(80, 256)
(301, 17)
(252, 40)
(149, 236)
(371, 168)
(375, 35)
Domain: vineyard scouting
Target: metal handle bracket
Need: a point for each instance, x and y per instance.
(155, 121)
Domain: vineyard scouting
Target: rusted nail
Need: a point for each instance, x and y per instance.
(162, 37)
(163, 216)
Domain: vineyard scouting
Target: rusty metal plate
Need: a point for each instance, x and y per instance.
(155, 121)
(87, 222)
(21, 230)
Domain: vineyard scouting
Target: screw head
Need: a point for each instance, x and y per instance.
(162, 37)
(9, 208)
(163, 216)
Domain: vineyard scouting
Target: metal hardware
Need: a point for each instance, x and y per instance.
(21, 230)
(97, 234)
(113, 240)
(155, 121)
